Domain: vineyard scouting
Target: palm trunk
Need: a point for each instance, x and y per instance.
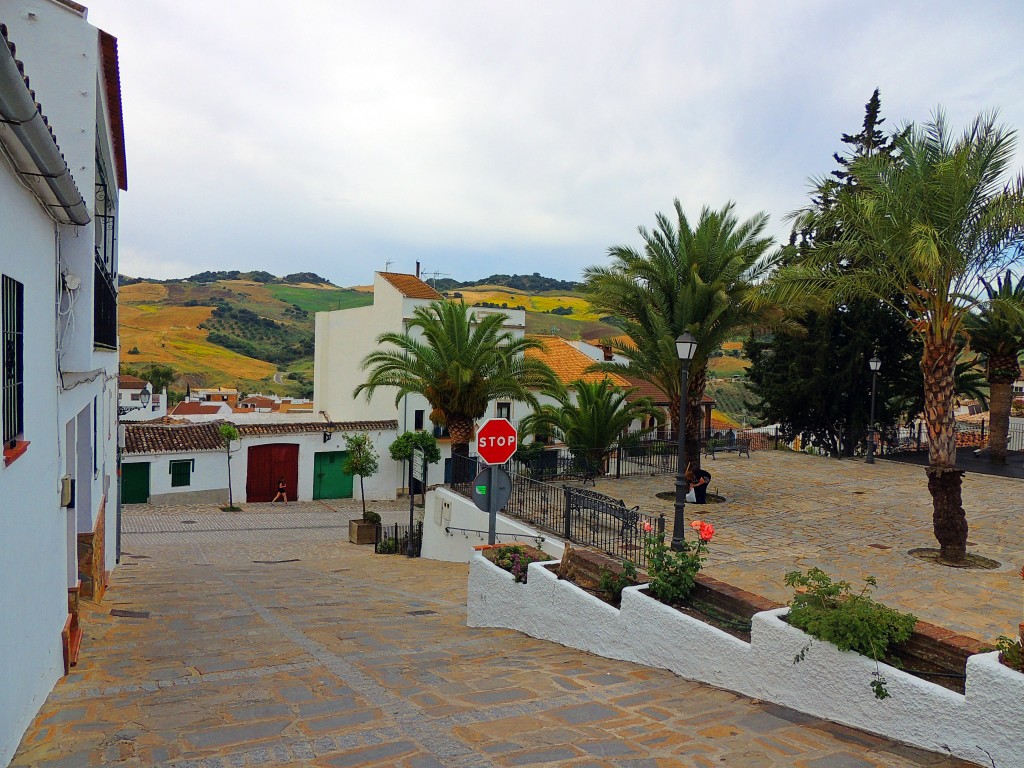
(1002, 372)
(461, 430)
(694, 414)
(949, 522)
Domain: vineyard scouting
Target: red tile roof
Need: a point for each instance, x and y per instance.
(112, 81)
(153, 437)
(410, 286)
(568, 363)
(131, 382)
(191, 408)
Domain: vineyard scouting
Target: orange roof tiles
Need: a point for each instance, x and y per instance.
(410, 286)
(152, 437)
(124, 381)
(568, 363)
(191, 408)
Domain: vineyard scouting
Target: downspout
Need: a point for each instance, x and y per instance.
(18, 111)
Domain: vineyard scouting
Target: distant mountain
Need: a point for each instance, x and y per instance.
(535, 283)
(257, 276)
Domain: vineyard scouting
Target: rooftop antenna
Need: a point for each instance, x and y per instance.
(387, 265)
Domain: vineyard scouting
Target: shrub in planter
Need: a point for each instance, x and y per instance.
(516, 559)
(831, 611)
(674, 572)
(612, 584)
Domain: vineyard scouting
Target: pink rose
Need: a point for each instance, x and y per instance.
(648, 527)
(705, 532)
(696, 524)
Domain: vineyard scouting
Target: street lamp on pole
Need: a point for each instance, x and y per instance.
(875, 364)
(686, 348)
(144, 397)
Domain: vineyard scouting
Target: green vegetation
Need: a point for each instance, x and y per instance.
(319, 299)
(612, 584)
(362, 460)
(831, 611)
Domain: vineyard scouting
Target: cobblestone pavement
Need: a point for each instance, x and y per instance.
(787, 511)
(319, 653)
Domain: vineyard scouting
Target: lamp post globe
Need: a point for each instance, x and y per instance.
(875, 364)
(686, 348)
(144, 397)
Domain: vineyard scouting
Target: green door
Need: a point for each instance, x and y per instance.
(329, 482)
(135, 483)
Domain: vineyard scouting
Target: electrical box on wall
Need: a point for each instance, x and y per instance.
(67, 491)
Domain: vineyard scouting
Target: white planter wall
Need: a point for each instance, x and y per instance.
(828, 683)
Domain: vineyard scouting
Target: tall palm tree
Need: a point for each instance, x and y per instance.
(702, 279)
(924, 227)
(997, 332)
(590, 418)
(459, 362)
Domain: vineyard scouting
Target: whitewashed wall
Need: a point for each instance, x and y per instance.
(445, 510)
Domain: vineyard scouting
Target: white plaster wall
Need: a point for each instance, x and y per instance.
(828, 683)
(210, 472)
(34, 545)
(445, 509)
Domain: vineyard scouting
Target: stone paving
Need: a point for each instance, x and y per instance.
(787, 511)
(314, 652)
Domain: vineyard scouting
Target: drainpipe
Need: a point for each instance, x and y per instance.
(38, 148)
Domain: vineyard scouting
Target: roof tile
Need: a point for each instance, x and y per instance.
(151, 437)
(410, 286)
(568, 363)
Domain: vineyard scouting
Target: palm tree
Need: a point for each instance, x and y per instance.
(997, 332)
(591, 422)
(459, 362)
(916, 234)
(702, 279)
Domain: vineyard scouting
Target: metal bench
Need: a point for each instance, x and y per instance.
(740, 446)
(584, 500)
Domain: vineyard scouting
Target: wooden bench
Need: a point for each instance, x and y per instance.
(584, 500)
(740, 446)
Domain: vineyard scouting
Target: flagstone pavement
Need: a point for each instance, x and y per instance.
(786, 511)
(247, 644)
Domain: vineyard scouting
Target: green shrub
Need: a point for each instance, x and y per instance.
(831, 611)
(516, 560)
(1011, 652)
(612, 584)
(674, 572)
(371, 516)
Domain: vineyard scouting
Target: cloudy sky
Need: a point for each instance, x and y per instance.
(482, 137)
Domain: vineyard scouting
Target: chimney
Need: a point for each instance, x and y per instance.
(607, 352)
(417, 268)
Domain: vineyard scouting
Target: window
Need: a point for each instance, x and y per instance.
(13, 308)
(418, 421)
(504, 410)
(181, 472)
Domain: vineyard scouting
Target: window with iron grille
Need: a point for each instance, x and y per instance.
(418, 420)
(503, 410)
(104, 290)
(12, 306)
(181, 472)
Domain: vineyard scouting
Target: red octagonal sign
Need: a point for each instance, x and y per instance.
(496, 441)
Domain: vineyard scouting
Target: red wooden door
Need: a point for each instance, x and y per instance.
(267, 465)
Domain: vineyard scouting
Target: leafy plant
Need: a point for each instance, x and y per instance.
(1011, 652)
(516, 559)
(674, 572)
(387, 546)
(362, 460)
(612, 584)
(405, 443)
(852, 621)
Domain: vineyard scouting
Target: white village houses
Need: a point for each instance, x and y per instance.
(59, 182)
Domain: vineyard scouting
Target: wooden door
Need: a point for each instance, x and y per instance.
(267, 465)
(329, 481)
(135, 483)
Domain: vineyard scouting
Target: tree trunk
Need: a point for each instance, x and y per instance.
(461, 429)
(1002, 372)
(949, 522)
(696, 385)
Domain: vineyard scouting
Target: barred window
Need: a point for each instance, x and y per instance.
(181, 472)
(13, 308)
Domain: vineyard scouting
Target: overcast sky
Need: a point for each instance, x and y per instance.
(482, 137)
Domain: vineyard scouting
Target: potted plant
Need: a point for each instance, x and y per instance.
(362, 461)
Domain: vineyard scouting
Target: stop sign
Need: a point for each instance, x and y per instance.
(496, 441)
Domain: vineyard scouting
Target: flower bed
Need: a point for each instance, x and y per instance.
(829, 683)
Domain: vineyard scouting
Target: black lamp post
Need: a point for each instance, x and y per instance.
(686, 348)
(874, 364)
(144, 398)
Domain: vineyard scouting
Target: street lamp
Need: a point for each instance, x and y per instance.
(874, 364)
(686, 348)
(144, 398)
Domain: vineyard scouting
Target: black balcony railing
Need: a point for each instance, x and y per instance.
(104, 309)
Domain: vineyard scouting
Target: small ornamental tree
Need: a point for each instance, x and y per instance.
(228, 432)
(407, 442)
(363, 461)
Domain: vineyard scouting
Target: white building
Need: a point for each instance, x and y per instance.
(188, 463)
(345, 336)
(136, 400)
(59, 182)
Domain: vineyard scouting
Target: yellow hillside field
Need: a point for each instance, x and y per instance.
(732, 345)
(142, 292)
(170, 336)
(542, 303)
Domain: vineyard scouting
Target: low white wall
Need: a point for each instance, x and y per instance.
(828, 683)
(446, 510)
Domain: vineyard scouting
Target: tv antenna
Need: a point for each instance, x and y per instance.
(387, 265)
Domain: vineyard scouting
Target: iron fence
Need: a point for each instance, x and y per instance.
(394, 540)
(572, 513)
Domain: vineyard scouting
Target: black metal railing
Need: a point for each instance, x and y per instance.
(104, 308)
(557, 510)
(394, 540)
